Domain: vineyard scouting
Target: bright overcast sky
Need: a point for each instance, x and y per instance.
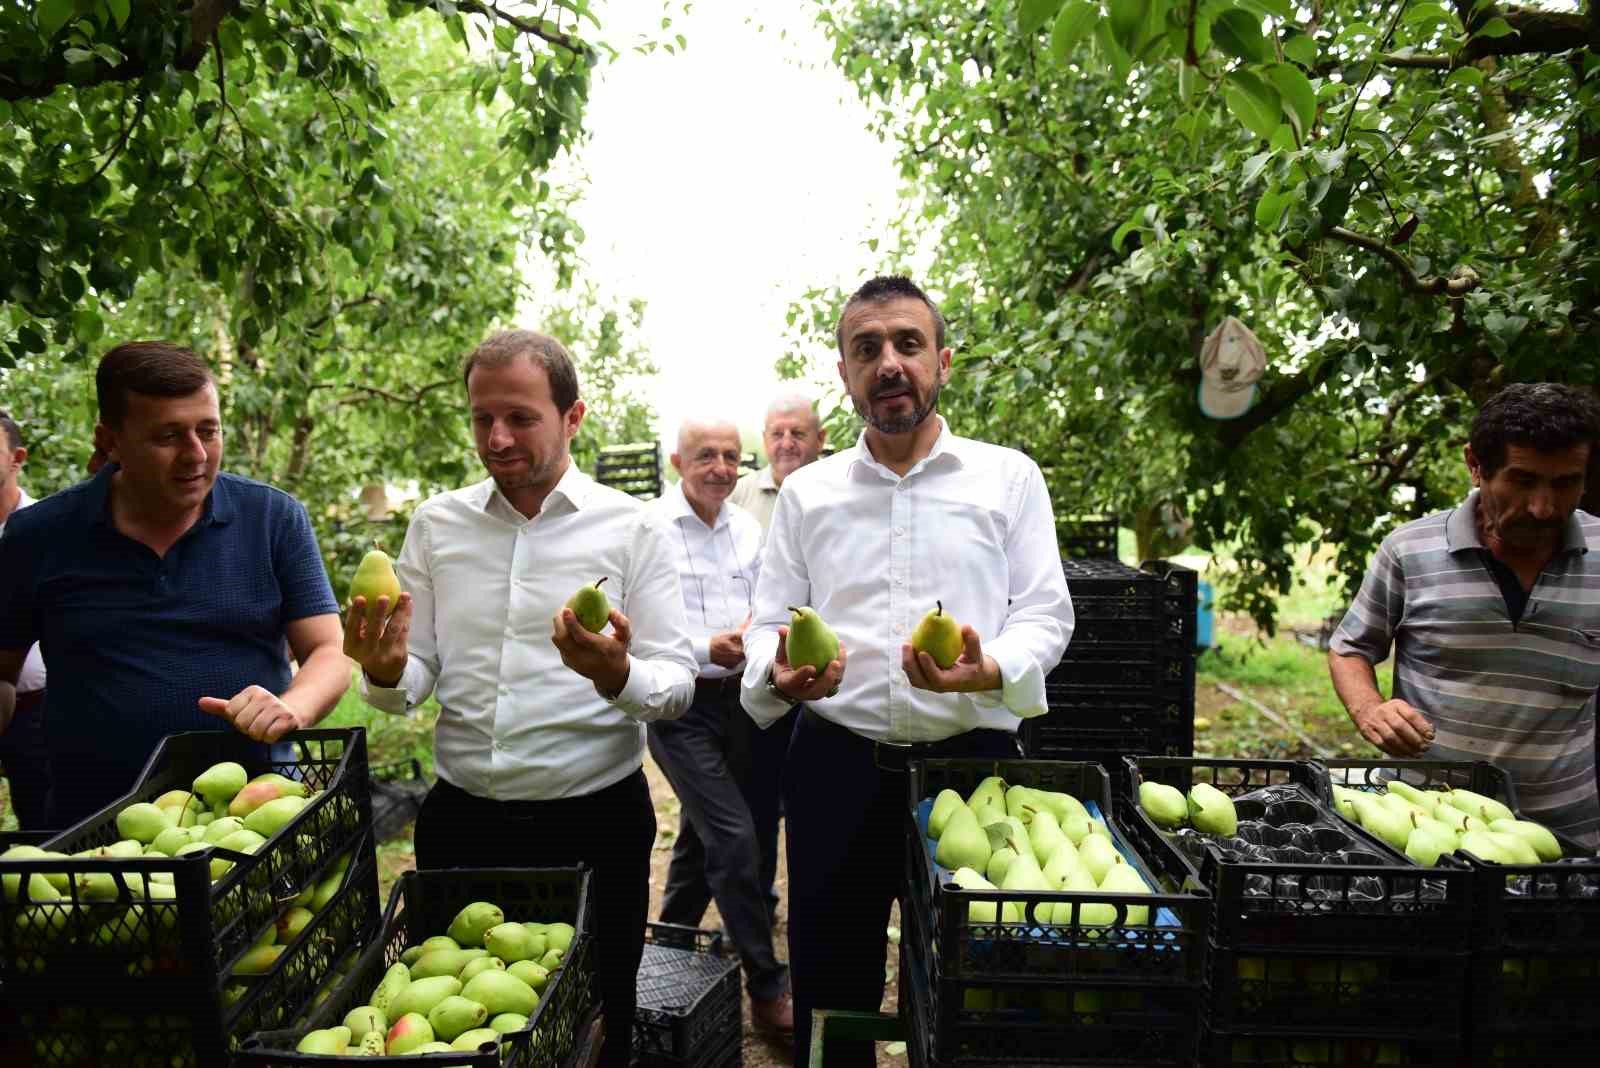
(725, 180)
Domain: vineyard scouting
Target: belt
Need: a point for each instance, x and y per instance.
(717, 687)
(896, 757)
(29, 702)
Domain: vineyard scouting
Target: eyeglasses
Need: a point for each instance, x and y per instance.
(740, 582)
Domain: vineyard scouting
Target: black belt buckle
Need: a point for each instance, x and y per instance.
(893, 758)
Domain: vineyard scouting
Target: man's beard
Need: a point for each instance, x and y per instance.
(899, 424)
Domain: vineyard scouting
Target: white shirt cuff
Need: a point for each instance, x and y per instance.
(383, 698)
(702, 652)
(1021, 683)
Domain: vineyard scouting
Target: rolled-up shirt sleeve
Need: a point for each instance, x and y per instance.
(661, 659)
(1368, 628)
(1039, 617)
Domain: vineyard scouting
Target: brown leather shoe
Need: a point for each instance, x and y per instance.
(775, 1015)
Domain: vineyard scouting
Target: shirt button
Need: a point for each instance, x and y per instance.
(899, 532)
(899, 628)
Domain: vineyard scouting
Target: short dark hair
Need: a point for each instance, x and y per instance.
(12, 430)
(1544, 416)
(884, 288)
(151, 368)
(540, 350)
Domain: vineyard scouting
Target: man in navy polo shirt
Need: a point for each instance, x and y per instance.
(161, 592)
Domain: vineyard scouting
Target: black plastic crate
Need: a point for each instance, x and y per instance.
(688, 1011)
(422, 903)
(398, 790)
(633, 469)
(1334, 992)
(1007, 1024)
(1122, 668)
(1156, 601)
(136, 1004)
(1085, 536)
(1246, 1050)
(1538, 995)
(1383, 903)
(1517, 909)
(1167, 951)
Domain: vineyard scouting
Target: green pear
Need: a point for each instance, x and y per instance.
(1486, 845)
(551, 959)
(1062, 804)
(1341, 801)
(963, 844)
(1098, 826)
(1428, 841)
(1382, 821)
(444, 962)
(1535, 834)
(943, 805)
(1077, 828)
(1516, 847)
(220, 782)
(541, 938)
(219, 865)
(372, 1044)
(560, 935)
(939, 635)
(421, 995)
(365, 1018)
(218, 829)
(273, 816)
(1122, 879)
(1400, 806)
(512, 942)
(169, 841)
(455, 1015)
(999, 860)
(243, 840)
(291, 923)
(811, 642)
(992, 791)
(1046, 836)
(258, 960)
(1097, 856)
(1457, 820)
(288, 787)
(252, 797)
(983, 911)
(1165, 805)
(59, 881)
(1062, 861)
(1427, 800)
(408, 1034)
(375, 578)
(507, 1022)
(39, 888)
(473, 920)
(396, 979)
(501, 992)
(142, 822)
(330, 1041)
(1024, 875)
(433, 942)
(469, 1041)
(473, 967)
(1211, 811)
(589, 604)
(1473, 804)
(533, 973)
(1022, 802)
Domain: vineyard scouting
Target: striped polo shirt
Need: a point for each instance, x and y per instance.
(1519, 694)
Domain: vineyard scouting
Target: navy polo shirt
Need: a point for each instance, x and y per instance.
(133, 640)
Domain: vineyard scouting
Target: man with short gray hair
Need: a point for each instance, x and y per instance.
(793, 437)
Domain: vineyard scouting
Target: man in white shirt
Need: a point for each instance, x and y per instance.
(24, 753)
(720, 849)
(871, 538)
(540, 737)
(793, 437)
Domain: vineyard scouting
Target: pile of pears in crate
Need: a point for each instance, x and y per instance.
(1024, 839)
(455, 991)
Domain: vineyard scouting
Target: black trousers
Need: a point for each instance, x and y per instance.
(611, 830)
(708, 757)
(25, 757)
(846, 847)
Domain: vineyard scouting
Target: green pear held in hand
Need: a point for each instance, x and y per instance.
(589, 604)
(375, 578)
(938, 635)
(811, 642)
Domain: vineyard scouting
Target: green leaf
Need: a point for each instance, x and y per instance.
(1122, 233)
(1301, 48)
(1073, 24)
(1495, 27)
(1115, 55)
(87, 324)
(1468, 76)
(78, 55)
(51, 15)
(1299, 99)
(1127, 20)
(1253, 167)
(1270, 208)
(1238, 33)
(1033, 14)
(1253, 102)
(119, 11)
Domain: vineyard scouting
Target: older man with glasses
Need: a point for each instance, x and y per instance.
(725, 848)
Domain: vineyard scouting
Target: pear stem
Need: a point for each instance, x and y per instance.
(601, 581)
(938, 608)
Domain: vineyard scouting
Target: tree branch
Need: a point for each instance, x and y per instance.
(491, 9)
(1462, 280)
(364, 393)
(122, 142)
(1274, 401)
(321, 321)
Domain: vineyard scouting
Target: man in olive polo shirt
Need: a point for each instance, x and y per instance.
(162, 591)
(1493, 610)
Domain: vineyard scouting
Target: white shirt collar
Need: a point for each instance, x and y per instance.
(678, 508)
(569, 494)
(946, 444)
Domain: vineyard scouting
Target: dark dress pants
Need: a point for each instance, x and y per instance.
(25, 757)
(846, 847)
(706, 756)
(611, 830)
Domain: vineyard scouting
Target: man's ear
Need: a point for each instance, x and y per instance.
(1473, 466)
(105, 441)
